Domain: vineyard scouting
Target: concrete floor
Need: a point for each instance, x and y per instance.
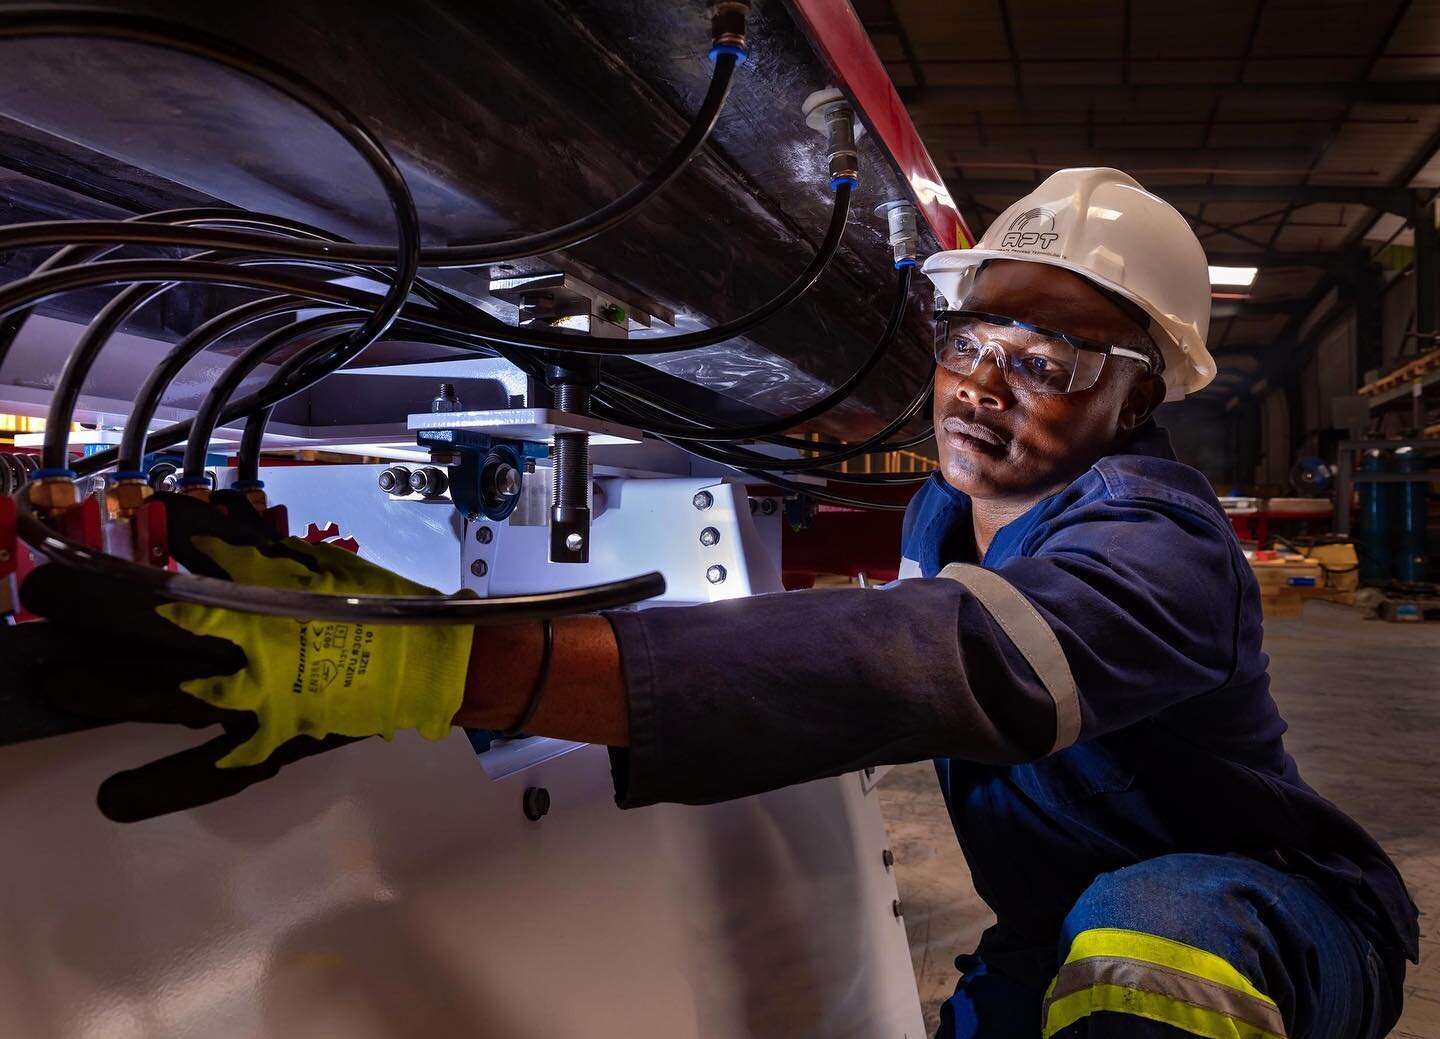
(1363, 702)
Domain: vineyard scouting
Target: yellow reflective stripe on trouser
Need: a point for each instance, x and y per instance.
(1130, 972)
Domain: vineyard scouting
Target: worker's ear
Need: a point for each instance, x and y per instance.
(1147, 392)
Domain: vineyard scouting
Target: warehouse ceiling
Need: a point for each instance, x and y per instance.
(1283, 129)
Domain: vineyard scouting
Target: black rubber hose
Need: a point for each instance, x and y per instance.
(207, 416)
(875, 444)
(45, 233)
(152, 391)
(709, 432)
(369, 609)
(252, 440)
(119, 25)
(30, 290)
(789, 485)
(86, 352)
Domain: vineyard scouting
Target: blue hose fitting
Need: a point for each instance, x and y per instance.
(906, 262)
(53, 474)
(127, 474)
(247, 485)
(835, 182)
(729, 48)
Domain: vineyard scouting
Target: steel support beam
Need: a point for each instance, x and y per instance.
(1426, 248)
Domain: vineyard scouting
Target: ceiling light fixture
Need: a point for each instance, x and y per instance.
(1233, 275)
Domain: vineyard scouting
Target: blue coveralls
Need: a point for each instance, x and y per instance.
(1096, 699)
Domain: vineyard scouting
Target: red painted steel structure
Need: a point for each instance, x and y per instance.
(839, 38)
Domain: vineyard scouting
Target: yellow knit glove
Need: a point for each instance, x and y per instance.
(318, 678)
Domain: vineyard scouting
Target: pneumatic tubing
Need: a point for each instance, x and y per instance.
(30, 290)
(122, 232)
(138, 29)
(697, 430)
(207, 416)
(368, 609)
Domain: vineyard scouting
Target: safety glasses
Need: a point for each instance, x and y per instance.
(1033, 359)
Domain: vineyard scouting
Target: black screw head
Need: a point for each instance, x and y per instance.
(888, 857)
(484, 535)
(535, 803)
(897, 909)
(479, 568)
(768, 506)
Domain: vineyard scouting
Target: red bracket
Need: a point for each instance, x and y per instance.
(81, 523)
(9, 555)
(277, 519)
(150, 533)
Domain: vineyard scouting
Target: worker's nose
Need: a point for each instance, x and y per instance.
(985, 387)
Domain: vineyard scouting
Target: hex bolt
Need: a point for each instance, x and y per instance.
(715, 574)
(709, 537)
(484, 535)
(507, 480)
(447, 401)
(395, 480)
(429, 481)
(574, 542)
(479, 568)
(535, 803)
(897, 909)
(702, 500)
(888, 858)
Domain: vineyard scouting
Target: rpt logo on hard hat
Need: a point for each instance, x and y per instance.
(1034, 227)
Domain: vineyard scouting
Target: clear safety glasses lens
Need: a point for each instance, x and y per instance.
(1030, 361)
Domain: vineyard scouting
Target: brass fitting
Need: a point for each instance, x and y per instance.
(54, 494)
(256, 497)
(199, 491)
(125, 497)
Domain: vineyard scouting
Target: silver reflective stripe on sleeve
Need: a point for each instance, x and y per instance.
(1019, 619)
(909, 568)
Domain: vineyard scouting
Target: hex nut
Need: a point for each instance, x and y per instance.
(126, 496)
(715, 574)
(703, 500)
(54, 493)
(710, 537)
(256, 497)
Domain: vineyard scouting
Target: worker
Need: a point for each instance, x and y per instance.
(1078, 649)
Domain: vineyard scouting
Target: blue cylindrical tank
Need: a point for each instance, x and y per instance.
(1374, 544)
(1410, 552)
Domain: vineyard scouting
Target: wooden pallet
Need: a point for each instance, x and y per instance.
(1409, 609)
(1422, 365)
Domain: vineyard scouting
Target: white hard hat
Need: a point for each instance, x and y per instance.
(1101, 224)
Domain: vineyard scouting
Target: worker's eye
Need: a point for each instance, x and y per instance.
(1044, 367)
(962, 345)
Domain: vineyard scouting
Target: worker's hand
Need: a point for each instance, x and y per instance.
(282, 689)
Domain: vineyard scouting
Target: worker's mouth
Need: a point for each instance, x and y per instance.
(971, 436)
